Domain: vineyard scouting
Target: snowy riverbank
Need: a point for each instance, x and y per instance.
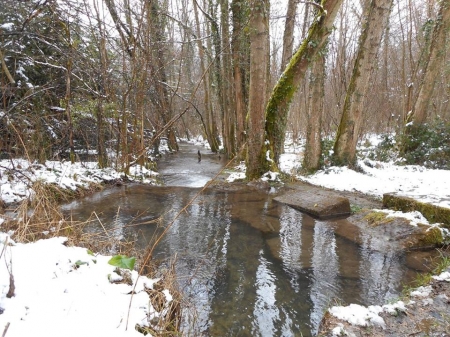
(59, 290)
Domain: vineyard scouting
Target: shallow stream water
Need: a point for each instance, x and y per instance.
(247, 265)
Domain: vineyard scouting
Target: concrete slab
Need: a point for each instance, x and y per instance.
(317, 202)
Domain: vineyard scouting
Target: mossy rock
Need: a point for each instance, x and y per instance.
(377, 218)
(427, 237)
(433, 213)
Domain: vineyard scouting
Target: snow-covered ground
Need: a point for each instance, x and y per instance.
(17, 176)
(68, 291)
(376, 178)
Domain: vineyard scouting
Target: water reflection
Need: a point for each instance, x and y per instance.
(325, 265)
(381, 270)
(266, 312)
(246, 265)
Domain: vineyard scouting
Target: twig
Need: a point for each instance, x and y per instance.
(101, 224)
(5, 330)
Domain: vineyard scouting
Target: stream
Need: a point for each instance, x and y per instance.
(246, 265)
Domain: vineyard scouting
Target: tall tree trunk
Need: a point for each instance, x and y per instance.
(281, 97)
(259, 46)
(227, 97)
(104, 90)
(313, 146)
(347, 136)
(288, 36)
(157, 30)
(240, 46)
(216, 73)
(209, 131)
(433, 66)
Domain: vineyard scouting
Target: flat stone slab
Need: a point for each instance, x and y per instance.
(317, 202)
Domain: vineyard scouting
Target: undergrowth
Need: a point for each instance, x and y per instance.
(425, 145)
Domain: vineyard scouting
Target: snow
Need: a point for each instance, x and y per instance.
(376, 178)
(358, 315)
(414, 217)
(339, 331)
(7, 26)
(445, 276)
(68, 291)
(65, 290)
(423, 291)
(16, 176)
(426, 185)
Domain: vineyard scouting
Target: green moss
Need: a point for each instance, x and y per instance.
(283, 92)
(377, 218)
(432, 237)
(433, 213)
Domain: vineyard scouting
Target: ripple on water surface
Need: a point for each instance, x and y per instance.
(247, 265)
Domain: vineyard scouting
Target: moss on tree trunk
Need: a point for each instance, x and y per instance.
(281, 97)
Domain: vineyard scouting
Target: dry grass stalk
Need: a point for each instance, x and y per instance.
(168, 323)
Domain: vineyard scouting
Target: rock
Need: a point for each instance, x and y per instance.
(321, 204)
(432, 213)
(422, 261)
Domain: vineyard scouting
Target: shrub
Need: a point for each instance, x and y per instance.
(427, 145)
(385, 150)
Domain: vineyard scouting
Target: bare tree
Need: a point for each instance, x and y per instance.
(240, 48)
(259, 51)
(281, 97)
(377, 15)
(433, 65)
(288, 36)
(313, 146)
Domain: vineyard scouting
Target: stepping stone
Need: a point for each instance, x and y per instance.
(320, 203)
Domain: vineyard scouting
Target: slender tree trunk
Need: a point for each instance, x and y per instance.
(157, 31)
(240, 69)
(206, 87)
(281, 97)
(216, 77)
(259, 30)
(288, 36)
(104, 65)
(313, 146)
(227, 96)
(433, 66)
(347, 136)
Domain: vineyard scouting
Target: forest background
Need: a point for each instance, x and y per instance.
(115, 78)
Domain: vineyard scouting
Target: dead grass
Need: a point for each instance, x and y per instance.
(40, 217)
(168, 322)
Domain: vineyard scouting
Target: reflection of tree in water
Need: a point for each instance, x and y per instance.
(380, 271)
(291, 244)
(325, 266)
(266, 312)
(201, 251)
